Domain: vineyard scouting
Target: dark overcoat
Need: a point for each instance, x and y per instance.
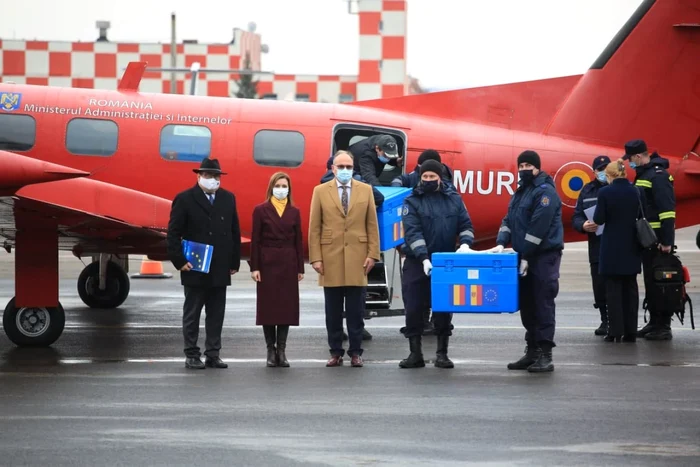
(192, 217)
(277, 252)
(618, 208)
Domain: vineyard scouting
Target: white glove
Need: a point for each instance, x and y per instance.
(427, 267)
(496, 249)
(523, 267)
(464, 248)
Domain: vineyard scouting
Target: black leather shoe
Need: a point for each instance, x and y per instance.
(215, 362)
(194, 363)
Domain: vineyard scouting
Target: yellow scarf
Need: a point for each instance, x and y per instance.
(279, 205)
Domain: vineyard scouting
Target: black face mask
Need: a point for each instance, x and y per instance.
(430, 187)
(526, 176)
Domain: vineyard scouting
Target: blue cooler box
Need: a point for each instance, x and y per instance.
(474, 282)
(389, 216)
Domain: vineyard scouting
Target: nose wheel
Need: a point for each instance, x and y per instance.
(116, 287)
(33, 326)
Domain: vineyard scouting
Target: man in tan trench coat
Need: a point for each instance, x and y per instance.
(343, 247)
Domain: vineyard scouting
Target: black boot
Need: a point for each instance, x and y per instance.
(532, 353)
(282, 332)
(603, 328)
(544, 362)
(415, 359)
(442, 361)
(650, 326)
(662, 331)
(270, 341)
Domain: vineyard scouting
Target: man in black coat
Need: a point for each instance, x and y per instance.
(587, 199)
(205, 214)
(372, 154)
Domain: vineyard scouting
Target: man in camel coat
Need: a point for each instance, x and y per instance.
(343, 247)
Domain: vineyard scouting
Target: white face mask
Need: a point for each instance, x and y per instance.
(280, 193)
(210, 184)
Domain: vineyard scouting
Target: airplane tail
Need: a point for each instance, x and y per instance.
(645, 84)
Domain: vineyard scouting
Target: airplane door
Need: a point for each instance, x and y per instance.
(347, 134)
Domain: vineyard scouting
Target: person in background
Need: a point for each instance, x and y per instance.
(410, 180)
(378, 200)
(372, 154)
(205, 214)
(343, 248)
(619, 206)
(277, 265)
(433, 216)
(657, 185)
(588, 197)
(533, 225)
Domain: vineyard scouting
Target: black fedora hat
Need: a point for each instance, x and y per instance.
(209, 165)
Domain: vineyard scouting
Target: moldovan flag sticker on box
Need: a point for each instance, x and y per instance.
(474, 283)
(389, 216)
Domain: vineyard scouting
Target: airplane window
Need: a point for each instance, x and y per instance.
(278, 148)
(17, 132)
(92, 137)
(187, 143)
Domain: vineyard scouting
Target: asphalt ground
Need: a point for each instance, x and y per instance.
(113, 389)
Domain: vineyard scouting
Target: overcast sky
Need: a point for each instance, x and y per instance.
(451, 43)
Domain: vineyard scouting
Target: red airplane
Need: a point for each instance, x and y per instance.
(93, 172)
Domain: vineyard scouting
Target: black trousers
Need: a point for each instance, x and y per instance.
(599, 294)
(353, 299)
(415, 289)
(623, 305)
(537, 292)
(214, 299)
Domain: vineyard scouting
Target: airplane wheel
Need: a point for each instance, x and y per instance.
(33, 326)
(116, 290)
(697, 239)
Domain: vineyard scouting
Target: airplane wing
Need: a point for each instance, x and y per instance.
(91, 217)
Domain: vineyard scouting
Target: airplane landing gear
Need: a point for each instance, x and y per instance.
(33, 326)
(113, 290)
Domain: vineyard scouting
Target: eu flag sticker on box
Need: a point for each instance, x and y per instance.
(474, 282)
(198, 254)
(389, 216)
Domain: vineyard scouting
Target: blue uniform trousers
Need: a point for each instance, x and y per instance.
(537, 291)
(415, 289)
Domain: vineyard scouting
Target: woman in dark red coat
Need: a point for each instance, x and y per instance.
(277, 265)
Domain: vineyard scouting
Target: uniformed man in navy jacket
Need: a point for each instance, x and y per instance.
(433, 217)
(587, 199)
(534, 227)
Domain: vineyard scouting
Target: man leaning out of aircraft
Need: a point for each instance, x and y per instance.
(410, 180)
(372, 154)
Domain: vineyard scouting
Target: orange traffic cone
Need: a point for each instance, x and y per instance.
(151, 270)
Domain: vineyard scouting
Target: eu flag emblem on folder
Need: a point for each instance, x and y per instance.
(198, 254)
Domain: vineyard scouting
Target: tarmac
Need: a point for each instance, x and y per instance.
(113, 389)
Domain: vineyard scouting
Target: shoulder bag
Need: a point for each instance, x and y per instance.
(645, 234)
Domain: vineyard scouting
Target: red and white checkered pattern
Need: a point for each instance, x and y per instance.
(99, 65)
(383, 25)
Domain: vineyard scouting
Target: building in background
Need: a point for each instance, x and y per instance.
(100, 64)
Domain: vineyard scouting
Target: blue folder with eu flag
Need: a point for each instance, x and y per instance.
(198, 254)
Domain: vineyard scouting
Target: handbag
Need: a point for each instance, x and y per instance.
(645, 234)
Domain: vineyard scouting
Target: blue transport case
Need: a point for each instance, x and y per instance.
(474, 282)
(389, 216)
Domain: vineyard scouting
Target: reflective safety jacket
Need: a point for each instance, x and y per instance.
(533, 223)
(432, 222)
(657, 185)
